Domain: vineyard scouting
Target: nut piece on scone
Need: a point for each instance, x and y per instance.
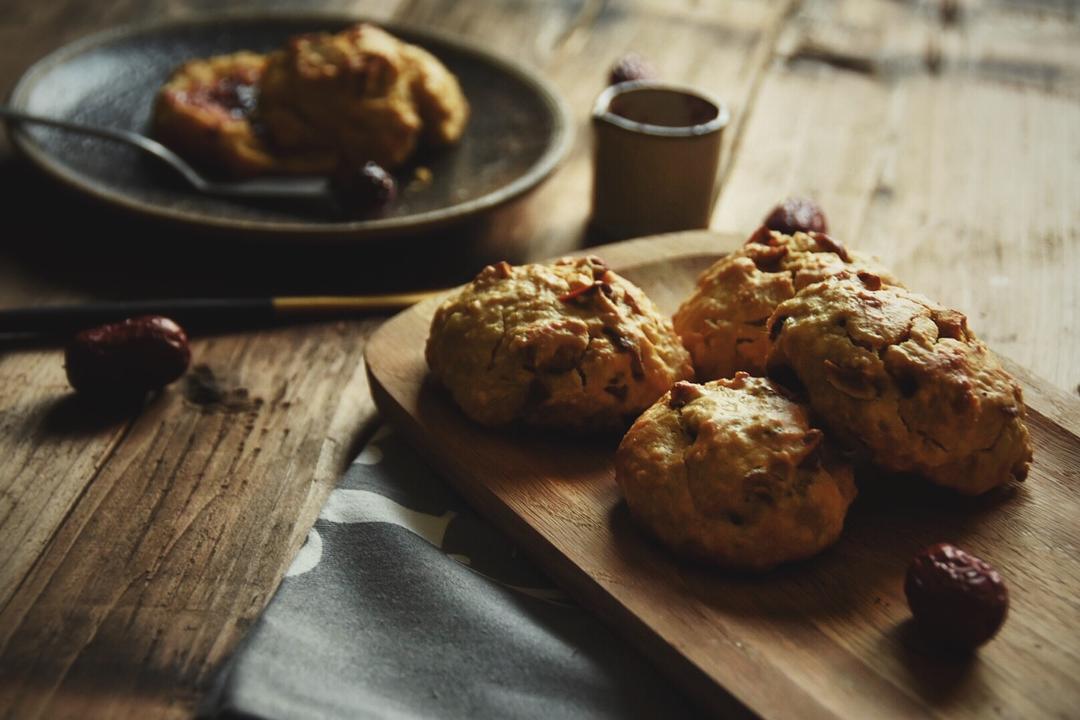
(571, 345)
(903, 379)
(204, 112)
(722, 323)
(731, 472)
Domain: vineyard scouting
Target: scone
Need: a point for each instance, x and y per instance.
(903, 379)
(733, 473)
(571, 345)
(361, 94)
(722, 323)
(438, 97)
(204, 112)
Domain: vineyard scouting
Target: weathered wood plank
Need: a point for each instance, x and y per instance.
(948, 147)
(180, 539)
(52, 452)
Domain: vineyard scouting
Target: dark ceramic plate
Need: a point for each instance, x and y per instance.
(517, 133)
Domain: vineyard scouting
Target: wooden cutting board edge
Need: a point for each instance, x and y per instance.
(1041, 397)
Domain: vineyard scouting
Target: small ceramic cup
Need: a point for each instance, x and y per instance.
(657, 152)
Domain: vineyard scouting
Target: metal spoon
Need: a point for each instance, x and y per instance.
(301, 187)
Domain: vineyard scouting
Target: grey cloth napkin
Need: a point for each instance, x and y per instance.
(404, 603)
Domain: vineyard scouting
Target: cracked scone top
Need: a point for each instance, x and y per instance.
(361, 94)
(904, 379)
(732, 472)
(722, 323)
(570, 345)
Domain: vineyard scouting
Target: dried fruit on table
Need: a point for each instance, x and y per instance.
(127, 358)
(958, 599)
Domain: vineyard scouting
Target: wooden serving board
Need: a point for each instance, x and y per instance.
(829, 637)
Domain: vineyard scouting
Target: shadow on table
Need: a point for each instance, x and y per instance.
(77, 244)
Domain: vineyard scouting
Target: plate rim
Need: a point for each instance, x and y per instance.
(559, 140)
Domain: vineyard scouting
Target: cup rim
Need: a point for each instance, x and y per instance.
(601, 110)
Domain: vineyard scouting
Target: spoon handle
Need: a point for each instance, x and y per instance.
(127, 137)
(106, 133)
(297, 188)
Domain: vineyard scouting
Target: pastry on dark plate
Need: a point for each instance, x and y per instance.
(204, 112)
(797, 214)
(323, 102)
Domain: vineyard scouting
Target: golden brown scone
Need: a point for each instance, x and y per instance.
(362, 94)
(722, 323)
(733, 473)
(904, 379)
(348, 93)
(438, 97)
(571, 345)
(204, 112)
(358, 96)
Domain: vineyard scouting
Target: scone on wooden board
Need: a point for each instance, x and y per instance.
(732, 472)
(722, 323)
(571, 345)
(903, 379)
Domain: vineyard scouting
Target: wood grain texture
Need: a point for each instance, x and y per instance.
(827, 638)
(945, 144)
(119, 594)
(38, 492)
(172, 547)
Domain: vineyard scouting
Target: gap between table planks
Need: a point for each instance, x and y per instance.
(794, 119)
(826, 638)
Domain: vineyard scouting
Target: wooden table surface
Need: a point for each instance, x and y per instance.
(135, 550)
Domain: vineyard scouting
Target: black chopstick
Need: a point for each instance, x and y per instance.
(197, 312)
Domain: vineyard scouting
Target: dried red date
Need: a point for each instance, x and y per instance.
(364, 191)
(631, 67)
(127, 358)
(797, 215)
(958, 599)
